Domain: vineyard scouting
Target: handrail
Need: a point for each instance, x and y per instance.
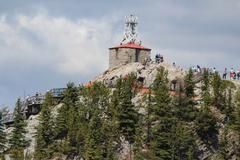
(37, 99)
(8, 118)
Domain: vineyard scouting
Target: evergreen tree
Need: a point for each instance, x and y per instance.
(140, 139)
(128, 116)
(160, 145)
(183, 102)
(66, 121)
(216, 84)
(205, 94)
(96, 131)
(148, 117)
(71, 96)
(2, 135)
(206, 125)
(60, 129)
(236, 125)
(223, 145)
(228, 103)
(182, 145)
(17, 139)
(229, 108)
(45, 129)
(180, 105)
(189, 84)
(94, 139)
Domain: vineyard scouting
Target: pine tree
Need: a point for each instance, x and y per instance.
(17, 139)
(97, 126)
(223, 145)
(205, 94)
(206, 125)
(110, 139)
(229, 108)
(66, 121)
(228, 100)
(140, 140)
(148, 118)
(2, 135)
(127, 110)
(160, 144)
(189, 84)
(187, 109)
(236, 125)
(128, 116)
(171, 139)
(110, 130)
(45, 129)
(216, 84)
(60, 129)
(182, 145)
(94, 139)
(70, 101)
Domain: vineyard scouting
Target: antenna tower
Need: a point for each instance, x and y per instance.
(130, 33)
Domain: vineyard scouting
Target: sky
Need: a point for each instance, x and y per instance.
(45, 44)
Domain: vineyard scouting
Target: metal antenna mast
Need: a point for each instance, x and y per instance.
(130, 34)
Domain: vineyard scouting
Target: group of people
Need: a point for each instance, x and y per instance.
(158, 58)
(196, 68)
(233, 74)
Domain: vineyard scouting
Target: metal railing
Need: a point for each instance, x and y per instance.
(37, 99)
(57, 92)
(8, 118)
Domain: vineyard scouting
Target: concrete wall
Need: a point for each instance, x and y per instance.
(122, 56)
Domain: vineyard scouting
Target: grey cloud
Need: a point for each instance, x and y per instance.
(202, 32)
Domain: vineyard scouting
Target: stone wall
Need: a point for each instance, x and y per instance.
(122, 56)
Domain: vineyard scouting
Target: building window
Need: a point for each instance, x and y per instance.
(137, 53)
(116, 53)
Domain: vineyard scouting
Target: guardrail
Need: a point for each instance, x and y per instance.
(37, 99)
(8, 118)
(30, 102)
(57, 92)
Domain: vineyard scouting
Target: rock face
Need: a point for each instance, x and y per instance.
(31, 130)
(32, 123)
(145, 72)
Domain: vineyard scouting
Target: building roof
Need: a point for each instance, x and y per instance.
(131, 45)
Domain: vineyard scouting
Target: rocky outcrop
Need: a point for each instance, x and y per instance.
(31, 130)
(146, 73)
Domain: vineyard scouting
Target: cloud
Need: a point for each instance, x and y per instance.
(44, 44)
(40, 51)
(65, 46)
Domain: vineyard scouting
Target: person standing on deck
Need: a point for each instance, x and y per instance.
(225, 73)
(238, 74)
